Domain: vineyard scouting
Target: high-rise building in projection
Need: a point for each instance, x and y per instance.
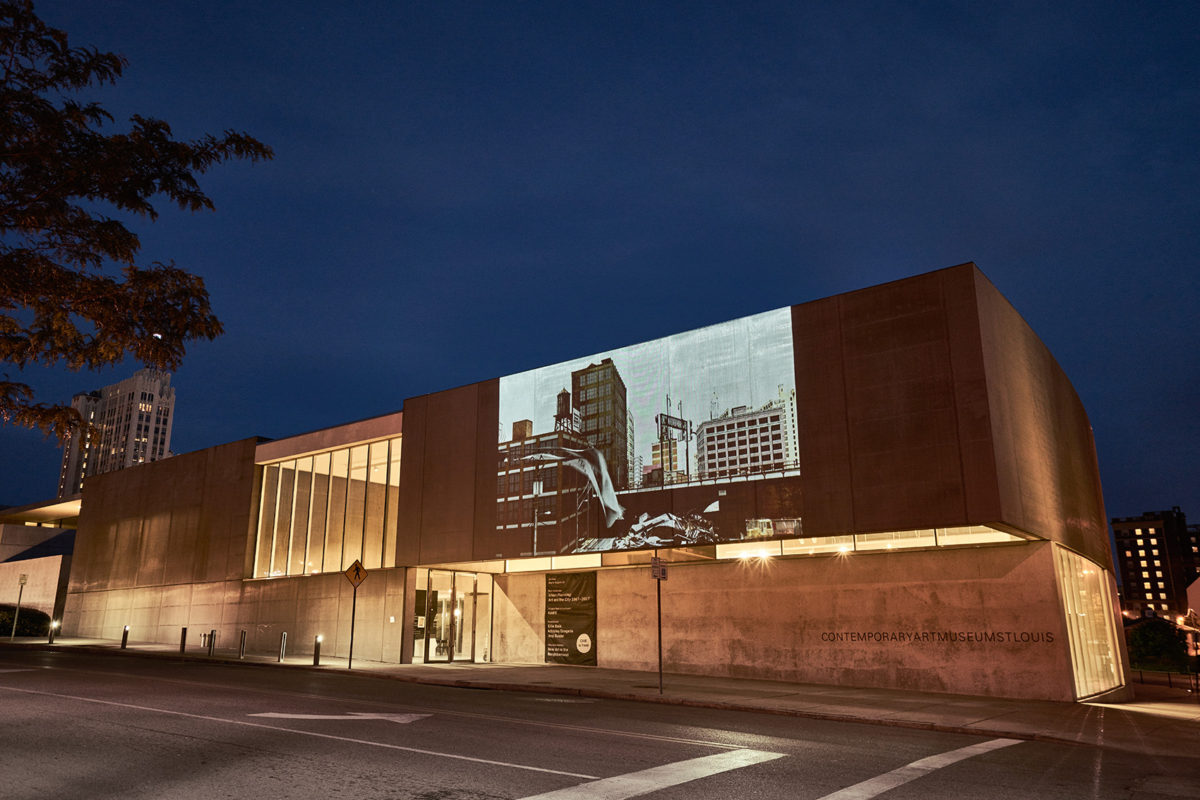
(540, 503)
(131, 423)
(668, 456)
(744, 441)
(598, 393)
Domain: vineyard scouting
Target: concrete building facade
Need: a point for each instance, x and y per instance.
(943, 530)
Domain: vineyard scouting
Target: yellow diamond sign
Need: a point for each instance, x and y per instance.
(356, 574)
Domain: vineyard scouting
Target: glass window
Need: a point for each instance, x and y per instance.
(283, 517)
(339, 471)
(392, 504)
(1087, 602)
(377, 467)
(356, 498)
(266, 520)
(300, 517)
(894, 540)
(319, 514)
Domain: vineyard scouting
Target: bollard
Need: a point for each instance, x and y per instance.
(183, 641)
(282, 645)
(53, 627)
(212, 642)
(317, 651)
(242, 646)
(125, 638)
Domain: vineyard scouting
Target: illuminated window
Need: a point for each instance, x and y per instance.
(1143, 563)
(1158, 574)
(1141, 552)
(1145, 574)
(1153, 552)
(1129, 554)
(1095, 660)
(1140, 542)
(1160, 585)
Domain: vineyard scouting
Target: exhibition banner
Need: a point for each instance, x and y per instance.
(571, 618)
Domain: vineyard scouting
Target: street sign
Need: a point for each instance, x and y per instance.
(356, 574)
(658, 569)
(23, 579)
(667, 422)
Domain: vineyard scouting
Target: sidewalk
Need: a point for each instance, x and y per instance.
(1160, 721)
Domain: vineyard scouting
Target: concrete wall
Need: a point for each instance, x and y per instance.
(1048, 479)
(41, 587)
(302, 606)
(364, 430)
(862, 620)
(184, 519)
(519, 619)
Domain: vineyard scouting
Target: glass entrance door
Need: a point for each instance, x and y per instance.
(457, 621)
(439, 616)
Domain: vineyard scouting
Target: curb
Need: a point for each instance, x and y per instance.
(600, 694)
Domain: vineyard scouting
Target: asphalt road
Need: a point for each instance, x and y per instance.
(86, 725)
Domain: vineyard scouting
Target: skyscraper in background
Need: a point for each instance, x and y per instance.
(131, 424)
(1158, 556)
(598, 393)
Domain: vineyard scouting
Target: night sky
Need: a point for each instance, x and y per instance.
(462, 191)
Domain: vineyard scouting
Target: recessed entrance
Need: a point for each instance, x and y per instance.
(453, 617)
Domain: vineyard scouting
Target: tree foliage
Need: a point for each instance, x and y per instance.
(71, 290)
(1156, 643)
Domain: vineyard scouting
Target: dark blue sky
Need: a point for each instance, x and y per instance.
(466, 190)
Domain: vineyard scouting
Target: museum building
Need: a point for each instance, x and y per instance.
(928, 516)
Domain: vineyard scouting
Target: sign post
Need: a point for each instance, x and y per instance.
(21, 581)
(658, 571)
(356, 574)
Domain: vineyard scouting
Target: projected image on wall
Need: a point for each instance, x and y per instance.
(633, 448)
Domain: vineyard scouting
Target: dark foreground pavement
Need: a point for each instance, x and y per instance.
(1160, 721)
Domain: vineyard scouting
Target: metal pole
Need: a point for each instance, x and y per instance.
(317, 651)
(17, 613)
(212, 642)
(183, 641)
(53, 627)
(353, 609)
(242, 646)
(125, 638)
(282, 645)
(658, 592)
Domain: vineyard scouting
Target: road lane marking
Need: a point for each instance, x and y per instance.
(403, 719)
(910, 772)
(411, 707)
(645, 781)
(305, 733)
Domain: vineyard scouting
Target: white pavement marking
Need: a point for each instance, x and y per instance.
(303, 733)
(645, 781)
(401, 718)
(18, 669)
(910, 772)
